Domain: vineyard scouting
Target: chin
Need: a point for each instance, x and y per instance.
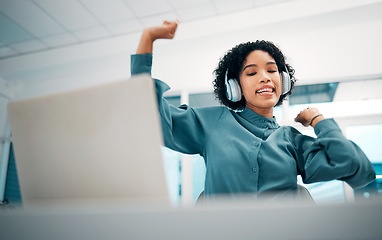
(263, 103)
(269, 104)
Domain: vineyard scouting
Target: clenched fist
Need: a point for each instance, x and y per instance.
(309, 116)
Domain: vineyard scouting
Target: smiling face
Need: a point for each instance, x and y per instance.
(260, 82)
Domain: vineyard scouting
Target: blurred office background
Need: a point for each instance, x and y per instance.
(49, 46)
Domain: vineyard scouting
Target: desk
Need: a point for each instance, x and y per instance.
(221, 221)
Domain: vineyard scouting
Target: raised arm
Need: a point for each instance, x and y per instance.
(165, 31)
(183, 127)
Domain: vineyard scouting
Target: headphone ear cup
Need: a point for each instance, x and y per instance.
(285, 82)
(228, 90)
(233, 90)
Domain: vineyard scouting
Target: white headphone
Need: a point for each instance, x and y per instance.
(233, 89)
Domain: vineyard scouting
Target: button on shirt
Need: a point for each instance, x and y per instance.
(245, 152)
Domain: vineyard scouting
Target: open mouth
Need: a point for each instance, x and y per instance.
(265, 91)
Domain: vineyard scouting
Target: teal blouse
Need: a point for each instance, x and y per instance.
(245, 152)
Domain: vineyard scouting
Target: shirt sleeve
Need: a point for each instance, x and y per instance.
(184, 128)
(331, 156)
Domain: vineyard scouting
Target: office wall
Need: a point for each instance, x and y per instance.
(318, 54)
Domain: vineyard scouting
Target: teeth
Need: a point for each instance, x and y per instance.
(265, 90)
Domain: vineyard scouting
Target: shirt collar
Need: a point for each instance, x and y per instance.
(257, 119)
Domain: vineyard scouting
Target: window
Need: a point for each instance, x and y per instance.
(315, 93)
(172, 164)
(369, 138)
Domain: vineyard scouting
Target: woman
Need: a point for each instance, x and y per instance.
(245, 150)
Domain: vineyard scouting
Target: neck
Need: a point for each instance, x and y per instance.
(266, 112)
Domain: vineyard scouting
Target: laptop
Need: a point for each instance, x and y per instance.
(99, 144)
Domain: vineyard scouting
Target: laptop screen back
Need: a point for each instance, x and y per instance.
(97, 143)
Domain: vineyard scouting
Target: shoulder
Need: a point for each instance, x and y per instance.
(215, 112)
(214, 116)
(290, 130)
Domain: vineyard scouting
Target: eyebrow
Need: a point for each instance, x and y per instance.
(254, 65)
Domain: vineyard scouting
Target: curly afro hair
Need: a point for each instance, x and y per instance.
(234, 60)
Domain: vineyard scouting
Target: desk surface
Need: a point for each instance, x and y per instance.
(220, 221)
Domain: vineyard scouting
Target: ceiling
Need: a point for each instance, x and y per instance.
(29, 26)
(42, 42)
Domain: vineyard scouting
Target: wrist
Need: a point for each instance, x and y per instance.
(315, 119)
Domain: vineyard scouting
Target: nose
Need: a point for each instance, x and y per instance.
(264, 78)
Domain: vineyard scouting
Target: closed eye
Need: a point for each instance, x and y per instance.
(251, 74)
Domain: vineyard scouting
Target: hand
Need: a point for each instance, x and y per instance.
(309, 116)
(165, 31)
